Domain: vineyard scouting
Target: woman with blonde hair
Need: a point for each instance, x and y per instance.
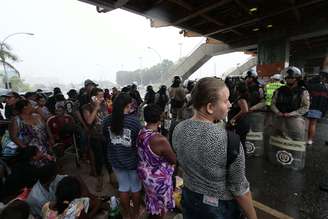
(214, 185)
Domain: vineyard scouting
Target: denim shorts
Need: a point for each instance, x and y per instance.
(314, 114)
(128, 180)
(193, 207)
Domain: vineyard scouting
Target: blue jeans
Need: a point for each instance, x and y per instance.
(194, 208)
(128, 180)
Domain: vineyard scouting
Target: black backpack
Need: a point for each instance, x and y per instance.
(233, 148)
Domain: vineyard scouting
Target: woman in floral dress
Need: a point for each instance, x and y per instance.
(28, 129)
(155, 167)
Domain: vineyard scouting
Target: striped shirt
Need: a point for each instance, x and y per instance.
(122, 150)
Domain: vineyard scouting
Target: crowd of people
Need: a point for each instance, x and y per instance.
(197, 128)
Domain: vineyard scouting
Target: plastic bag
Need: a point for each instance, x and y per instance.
(9, 148)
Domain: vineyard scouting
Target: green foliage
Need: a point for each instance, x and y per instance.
(6, 54)
(19, 85)
(145, 76)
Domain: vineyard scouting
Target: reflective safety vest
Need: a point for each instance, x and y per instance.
(270, 88)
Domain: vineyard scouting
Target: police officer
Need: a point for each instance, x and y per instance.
(256, 104)
(291, 100)
(271, 87)
(290, 103)
(256, 93)
(274, 83)
(177, 96)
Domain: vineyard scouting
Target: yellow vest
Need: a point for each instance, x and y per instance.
(270, 88)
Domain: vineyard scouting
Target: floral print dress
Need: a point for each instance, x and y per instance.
(35, 135)
(156, 174)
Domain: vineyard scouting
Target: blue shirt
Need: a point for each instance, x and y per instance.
(122, 150)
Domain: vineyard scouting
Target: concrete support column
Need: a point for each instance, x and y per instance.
(272, 56)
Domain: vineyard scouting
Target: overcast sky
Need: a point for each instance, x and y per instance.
(73, 41)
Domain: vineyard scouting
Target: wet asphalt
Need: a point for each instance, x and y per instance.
(295, 193)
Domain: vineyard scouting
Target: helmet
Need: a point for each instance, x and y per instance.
(176, 81)
(72, 92)
(149, 88)
(251, 73)
(177, 78)
(292, 72)
(276, 77)
(185, 83)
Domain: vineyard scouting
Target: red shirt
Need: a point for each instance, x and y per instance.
(60, 127)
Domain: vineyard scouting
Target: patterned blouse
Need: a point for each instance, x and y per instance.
(201, 149)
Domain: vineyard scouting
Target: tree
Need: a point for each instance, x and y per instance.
(19, 85)
(5, 55)
(146, 76)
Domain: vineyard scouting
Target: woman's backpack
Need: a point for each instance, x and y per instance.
(233, 148)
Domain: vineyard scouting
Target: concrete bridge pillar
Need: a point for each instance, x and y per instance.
(273, 56)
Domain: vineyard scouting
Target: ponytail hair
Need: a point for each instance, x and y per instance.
(120, 102)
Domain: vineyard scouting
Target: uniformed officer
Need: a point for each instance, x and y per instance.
(256, 93)
(289, 103)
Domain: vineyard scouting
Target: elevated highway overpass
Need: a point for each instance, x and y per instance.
(280, 32)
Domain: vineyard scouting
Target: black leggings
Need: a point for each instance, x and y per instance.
(106, 160)
(99, 149)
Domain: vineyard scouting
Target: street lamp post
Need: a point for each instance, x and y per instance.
(160, 61)
(3, 58)
(140, 74)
